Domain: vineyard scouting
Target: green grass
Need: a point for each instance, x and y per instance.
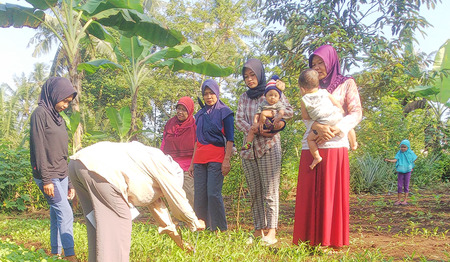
(148, 245)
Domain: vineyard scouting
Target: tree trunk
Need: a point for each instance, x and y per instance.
(75, 79)
(133, 110)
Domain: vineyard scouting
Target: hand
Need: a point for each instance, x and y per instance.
(276, 122)
(280, 85)
(226, 167)
(261, 129)
(323, 131)
(49, 190)
(187, 247)
(191, 170)
(71, 193)
(332, 132)
(202, 225)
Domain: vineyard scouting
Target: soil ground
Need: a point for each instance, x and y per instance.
(419, 231)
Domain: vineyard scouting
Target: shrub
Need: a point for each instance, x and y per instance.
(16, 181)
(371, 174)
(429, 170)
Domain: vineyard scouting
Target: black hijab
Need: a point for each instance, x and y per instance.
(257, 67)
(54, 91)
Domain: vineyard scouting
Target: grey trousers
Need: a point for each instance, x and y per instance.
(188, 186)
(110, 239)
(263, 181)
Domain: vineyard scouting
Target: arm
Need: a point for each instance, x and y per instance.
(228, 124)
(391, 160)
(354, 110)
(241, 124)
(256, 118)
(37, 137)
(226, 166)
(278, 117)
(289, 111)
(191, 167)
(161, 214)
(305, 115)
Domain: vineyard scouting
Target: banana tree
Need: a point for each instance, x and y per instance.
(79, 20)
(438, 92)
(72, 123)
(137, 57)
(120, 121)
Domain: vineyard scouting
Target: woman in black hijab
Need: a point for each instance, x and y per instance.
(262, 162)
(48, 155)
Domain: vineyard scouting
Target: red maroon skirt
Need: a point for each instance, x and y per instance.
(322, 201)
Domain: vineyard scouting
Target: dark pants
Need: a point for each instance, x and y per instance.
(208, 200)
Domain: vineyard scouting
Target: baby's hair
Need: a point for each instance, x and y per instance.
(308, 79)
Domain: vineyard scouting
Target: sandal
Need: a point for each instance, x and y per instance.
(398, 202)
(268, 242)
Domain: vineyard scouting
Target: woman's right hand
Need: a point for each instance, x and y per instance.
(191, 170)
(49, 190)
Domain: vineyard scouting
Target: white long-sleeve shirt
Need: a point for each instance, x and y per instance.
(143, 175)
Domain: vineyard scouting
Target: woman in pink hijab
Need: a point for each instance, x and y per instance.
(322, 201)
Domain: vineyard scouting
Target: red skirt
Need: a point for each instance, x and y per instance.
(322, 201)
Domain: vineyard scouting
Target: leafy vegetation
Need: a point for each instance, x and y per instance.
(379, 231)
(16, 182)
(10, 251)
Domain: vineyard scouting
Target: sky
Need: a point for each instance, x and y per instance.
(16, 57)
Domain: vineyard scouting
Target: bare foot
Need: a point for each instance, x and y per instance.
(315, 162)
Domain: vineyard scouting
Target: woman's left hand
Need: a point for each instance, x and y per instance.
(226, 167)
(71, 193)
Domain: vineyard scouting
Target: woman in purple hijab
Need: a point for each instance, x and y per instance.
(212, 153)
(48, 155)
(322, 201)
(262, 162)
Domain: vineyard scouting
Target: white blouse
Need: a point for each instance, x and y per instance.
(348, 96)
